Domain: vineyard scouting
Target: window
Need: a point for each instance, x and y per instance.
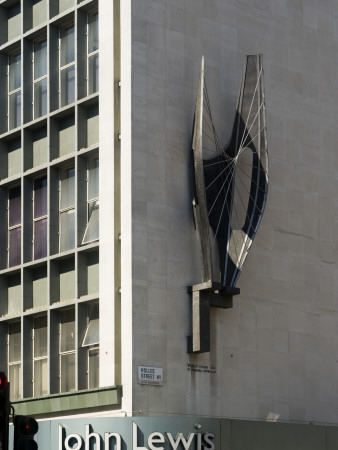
(93, 368)
(40, 79)
(14, 91)
(67, 209)
(91, 341)
(67, 66)
(92, 228)
(40, 356)
(14, 359)
(14, 226)
(40, 218)
(93, 53)
(67, 350)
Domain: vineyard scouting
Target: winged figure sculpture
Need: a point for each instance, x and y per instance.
(230, 191)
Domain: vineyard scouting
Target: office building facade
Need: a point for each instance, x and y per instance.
(50, 196)
(98, 244)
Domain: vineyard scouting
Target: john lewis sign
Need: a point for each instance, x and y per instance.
(128, 433)
(179, 433)
(156, 440)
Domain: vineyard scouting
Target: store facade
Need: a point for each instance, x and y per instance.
(182, 433)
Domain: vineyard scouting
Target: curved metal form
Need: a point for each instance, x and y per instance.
(231, 189)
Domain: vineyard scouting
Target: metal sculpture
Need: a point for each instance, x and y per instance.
(230, 185)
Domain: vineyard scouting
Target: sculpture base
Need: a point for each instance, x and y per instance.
(203, 297)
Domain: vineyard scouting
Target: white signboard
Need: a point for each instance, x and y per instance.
(150, 375)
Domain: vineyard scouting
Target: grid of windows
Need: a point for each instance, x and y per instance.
(49, 197)
(57, 72)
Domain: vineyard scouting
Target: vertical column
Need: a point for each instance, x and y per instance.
(126, 207)
(109, 287)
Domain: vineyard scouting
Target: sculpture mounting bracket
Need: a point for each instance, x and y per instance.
(203, 297)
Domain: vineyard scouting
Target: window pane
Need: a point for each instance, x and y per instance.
(67, 324)
(14, 294)
(40, 238)
(67, 46)
(68, 85)
(93, 311)
(14, 157)
(92, 333)
(14, 342)
(40, 336)
(40, 197)
(14, 206)
(93, 32)
(40, 98)
(93, 179)
(67, 372)
(15, 110)
(92, 230)
(93, 73)
(39, 287)
(40, 59)
(93, 368)
(14, 72)
(67, 233)
(40, 377)
(67, 188)
(14, 257)
(14, 376)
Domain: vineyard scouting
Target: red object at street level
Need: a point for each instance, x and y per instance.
(24, 430)
(3, 381)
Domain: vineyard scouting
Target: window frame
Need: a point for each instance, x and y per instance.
(39, 79)
(93, 348)
(63, 353)
(39, 358)
(93, 313)
(12, 92)
(15, 363)
(13, 227)
(40, 218)
(92, 54)
(93, 202)
(64, 67)
(63, 210)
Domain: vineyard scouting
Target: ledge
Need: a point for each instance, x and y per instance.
(69, 401)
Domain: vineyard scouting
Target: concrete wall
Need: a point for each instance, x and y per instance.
(276, 351)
